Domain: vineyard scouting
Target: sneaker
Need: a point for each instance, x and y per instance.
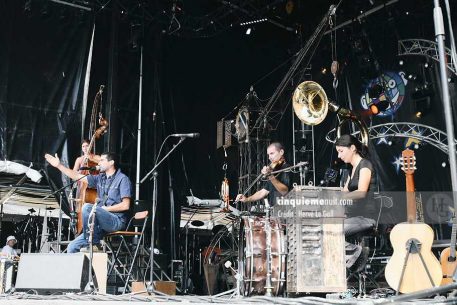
(95, 249)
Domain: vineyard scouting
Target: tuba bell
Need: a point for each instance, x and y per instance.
(311, 106)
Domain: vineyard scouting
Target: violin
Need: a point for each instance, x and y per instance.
(275, 165)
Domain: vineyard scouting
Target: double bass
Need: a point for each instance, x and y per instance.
(84, 194)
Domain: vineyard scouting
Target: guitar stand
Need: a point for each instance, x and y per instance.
(413, 246)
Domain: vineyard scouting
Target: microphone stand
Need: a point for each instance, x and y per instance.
(440, 36)
(90, 286)
(59, 223)
(150, 287)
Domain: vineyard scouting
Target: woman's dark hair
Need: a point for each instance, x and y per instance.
(348, 140)
(85, 141)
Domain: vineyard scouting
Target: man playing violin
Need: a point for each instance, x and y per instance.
(276, 185)
(113, 202)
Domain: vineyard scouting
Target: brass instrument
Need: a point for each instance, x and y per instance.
(311, 106)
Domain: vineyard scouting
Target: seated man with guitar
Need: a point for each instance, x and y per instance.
(113, 202)
(361, 180)
(277, 185)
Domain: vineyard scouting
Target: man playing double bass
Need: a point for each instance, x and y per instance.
(113, 202)
(276, 185)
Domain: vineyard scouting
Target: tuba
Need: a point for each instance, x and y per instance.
(311, 106)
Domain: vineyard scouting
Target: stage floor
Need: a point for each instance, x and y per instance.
(74, 299)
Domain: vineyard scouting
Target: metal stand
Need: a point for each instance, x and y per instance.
(439, 34)
(150, 287)
(413, 246)
(268, 283)
(90, 286)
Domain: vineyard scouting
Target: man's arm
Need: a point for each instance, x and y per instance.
(279, 186)
(260, 194)
(55, 161)
(124, 205)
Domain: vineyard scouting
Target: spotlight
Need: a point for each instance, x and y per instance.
(374, 109)
(248, 31)
(401, 62)
(389, 143)
(324, 70)
(380, 106)
(443, 164)
(426, 65)
(418, 114)
(416, 146)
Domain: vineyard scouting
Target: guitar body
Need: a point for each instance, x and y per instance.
(448, 267)
(415, 276)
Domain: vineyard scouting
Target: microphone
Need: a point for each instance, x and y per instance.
(186, 135)
(89, 168)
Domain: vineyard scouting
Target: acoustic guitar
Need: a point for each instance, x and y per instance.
(413, 266)
(448, 257)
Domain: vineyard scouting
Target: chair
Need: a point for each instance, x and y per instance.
(359, 270)
(123, 247)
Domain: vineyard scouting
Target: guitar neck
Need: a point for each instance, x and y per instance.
(410, 199)
(453, 238)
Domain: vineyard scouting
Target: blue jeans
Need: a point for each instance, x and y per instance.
(105, 222)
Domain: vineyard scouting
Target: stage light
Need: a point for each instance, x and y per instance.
(418, 114)
(324, 70)
(401, 62)
(426, 65)
(443, 164)
(380, 106)
(416, 146)
(248, 31)
(374, 109)
(390, 143)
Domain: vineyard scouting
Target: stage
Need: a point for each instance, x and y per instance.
(175, 300)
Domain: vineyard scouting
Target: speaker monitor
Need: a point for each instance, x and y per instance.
(49, 273)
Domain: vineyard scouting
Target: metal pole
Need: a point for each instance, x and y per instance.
(86, 85)
(138, 147)
(439, 35)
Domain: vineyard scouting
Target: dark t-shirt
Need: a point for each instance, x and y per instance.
(354, 181)
(362, 207)
(284, 178)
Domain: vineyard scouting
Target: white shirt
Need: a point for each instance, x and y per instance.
(9, 250)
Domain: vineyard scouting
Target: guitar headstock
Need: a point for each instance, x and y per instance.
(408, 161)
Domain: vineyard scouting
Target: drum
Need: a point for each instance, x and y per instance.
(253, 255)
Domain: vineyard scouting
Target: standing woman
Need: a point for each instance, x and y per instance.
(361, 181)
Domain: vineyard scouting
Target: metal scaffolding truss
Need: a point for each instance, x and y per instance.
(425, 48)
(421, 132)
